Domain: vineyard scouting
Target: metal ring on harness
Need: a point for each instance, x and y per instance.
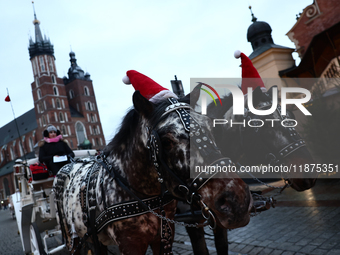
(205, 209)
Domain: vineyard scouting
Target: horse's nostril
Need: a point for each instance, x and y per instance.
(223, 204)
(225, 208)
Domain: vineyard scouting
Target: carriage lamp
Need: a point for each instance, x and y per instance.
(18, 167)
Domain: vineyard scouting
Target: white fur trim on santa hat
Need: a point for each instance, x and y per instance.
(237, 54)
(126, 80)
(160, 96)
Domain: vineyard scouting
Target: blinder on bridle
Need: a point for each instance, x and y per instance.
(207, 149)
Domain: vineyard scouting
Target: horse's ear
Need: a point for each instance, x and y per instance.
(269, 92)
(194, 95)
(257, 96)
(142, 105)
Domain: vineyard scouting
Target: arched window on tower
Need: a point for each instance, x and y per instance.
(39, 93)
(61, 117)
(71, 93)
(92, 118)
(41, 106)
(63, 130)
(57, 101)
(11, 151)
(34, 69)
(2, 155)
(88, 106)
(43, 120)
(37, 82)
(50, 64)
(55, 91)
(53, 79)
(42, 64)
(86, 91)
(21, 150)
(30, 141)
(80, 132)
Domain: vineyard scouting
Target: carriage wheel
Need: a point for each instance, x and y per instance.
(37, 247)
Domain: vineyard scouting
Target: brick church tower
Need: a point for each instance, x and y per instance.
(69, 103)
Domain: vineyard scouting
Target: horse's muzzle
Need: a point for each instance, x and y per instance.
(233, 209)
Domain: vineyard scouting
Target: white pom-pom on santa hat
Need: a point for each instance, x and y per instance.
(237, 54)
(126, 80)
(149, 89)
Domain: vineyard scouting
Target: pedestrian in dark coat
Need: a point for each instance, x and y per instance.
(52, 148)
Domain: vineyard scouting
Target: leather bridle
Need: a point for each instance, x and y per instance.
(206, 147)
(275, 157)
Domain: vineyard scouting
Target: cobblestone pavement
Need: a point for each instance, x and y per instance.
(9, 239)
(302, 223)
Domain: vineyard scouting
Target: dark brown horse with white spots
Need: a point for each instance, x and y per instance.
(125, 197)
(268, 144)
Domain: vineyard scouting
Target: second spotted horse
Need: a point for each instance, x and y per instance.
(269, 144)
(121, 197)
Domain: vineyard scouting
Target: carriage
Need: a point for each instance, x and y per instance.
(34, 208)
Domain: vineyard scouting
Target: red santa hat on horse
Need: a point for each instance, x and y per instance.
(250, 76)
(149, 89)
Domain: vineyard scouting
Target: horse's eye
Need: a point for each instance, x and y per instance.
(167, 143)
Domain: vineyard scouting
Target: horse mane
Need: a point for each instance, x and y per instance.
(219, 111)
(129, 125)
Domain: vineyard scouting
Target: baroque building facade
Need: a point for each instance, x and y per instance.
(68, 103)
(316, 36)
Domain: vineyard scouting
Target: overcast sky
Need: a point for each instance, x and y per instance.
(161, 39)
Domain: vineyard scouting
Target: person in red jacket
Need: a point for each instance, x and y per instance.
(53, 151)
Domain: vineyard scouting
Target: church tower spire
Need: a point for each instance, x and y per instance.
(49, 94)
(36, 22)
(41, 45)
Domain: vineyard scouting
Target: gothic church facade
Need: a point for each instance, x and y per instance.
(68, 103)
